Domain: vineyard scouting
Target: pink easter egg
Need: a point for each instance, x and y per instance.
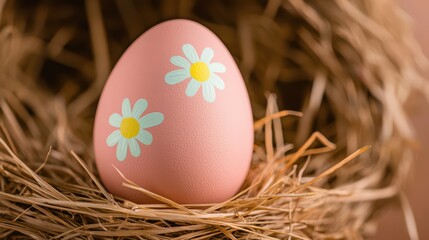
(175, 118)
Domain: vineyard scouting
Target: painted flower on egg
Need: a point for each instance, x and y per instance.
(200, 70)
(132, 128)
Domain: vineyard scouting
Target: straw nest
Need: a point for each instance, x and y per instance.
(348, 66)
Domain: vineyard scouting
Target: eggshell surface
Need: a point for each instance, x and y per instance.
(175, 118)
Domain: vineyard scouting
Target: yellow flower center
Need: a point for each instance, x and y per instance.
(130, 127)
(200, 71)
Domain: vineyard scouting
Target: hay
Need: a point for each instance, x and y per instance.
(349, 66)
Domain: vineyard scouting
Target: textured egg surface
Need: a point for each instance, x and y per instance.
(175, 118)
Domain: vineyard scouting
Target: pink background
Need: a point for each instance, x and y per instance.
(393, 225)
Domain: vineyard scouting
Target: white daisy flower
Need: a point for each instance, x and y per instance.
(132, 128)
(199, 70)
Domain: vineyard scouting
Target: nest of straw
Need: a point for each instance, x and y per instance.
(347, 66)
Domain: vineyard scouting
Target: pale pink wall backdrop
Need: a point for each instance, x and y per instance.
(393, 225)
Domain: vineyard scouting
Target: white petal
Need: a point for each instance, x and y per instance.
(145, 137)
(217, 81)
(121, 150)
(113, 138)
(208, 91)
(217, 67)
(139, 107)
(190, 53)
(207, 55)
(151, 119)
(180, 62)
(177, 76)
(192, 88)
(115, 120)
(126, 108)
(134, 147)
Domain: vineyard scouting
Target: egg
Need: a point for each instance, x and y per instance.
(175, 118)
